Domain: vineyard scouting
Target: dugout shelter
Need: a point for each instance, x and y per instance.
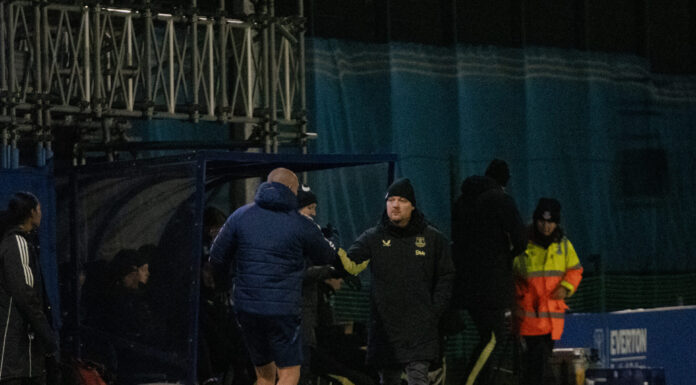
(156, 205)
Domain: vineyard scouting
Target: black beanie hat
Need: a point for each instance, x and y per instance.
(402, 188)
(127, 260)
(498, 169)
(305, 197)
(548, 209)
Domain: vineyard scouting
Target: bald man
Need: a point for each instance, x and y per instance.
(267, 242)
(286, 177)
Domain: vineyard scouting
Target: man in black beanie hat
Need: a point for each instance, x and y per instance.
(498, 170)
(412, 274)
(306, 202)
(307, 206)
(317, 358)
(402, 188)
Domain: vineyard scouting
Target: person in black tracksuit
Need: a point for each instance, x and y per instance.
(319, 283)
(27, 336)
(487, 233)
(313, 275)
(411, 270)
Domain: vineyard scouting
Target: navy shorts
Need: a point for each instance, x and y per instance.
(272, 338)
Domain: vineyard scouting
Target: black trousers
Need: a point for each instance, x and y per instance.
(349, 363)
(493, 327)
(537, 351)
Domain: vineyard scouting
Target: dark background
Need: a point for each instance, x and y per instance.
(662, 31)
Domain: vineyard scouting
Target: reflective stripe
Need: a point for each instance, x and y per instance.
(4, 338)
(531, 314)
(30, 339)
(342, 380)
(24, 257)
(576, 267)
(481, 361)
(568, 286)
(547, 273)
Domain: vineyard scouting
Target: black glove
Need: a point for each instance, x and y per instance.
(338, 270)
(330, 231)
(352, 281)
(319, 273)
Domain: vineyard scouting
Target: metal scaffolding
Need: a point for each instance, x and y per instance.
(94, 67)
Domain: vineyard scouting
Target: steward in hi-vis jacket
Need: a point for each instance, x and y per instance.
(412, 271)
(548, 272)
(544, 269)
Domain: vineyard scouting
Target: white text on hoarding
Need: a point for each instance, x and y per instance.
(628, 341)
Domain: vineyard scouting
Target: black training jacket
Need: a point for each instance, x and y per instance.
(25, 332)
(411, 285)
(487, 234)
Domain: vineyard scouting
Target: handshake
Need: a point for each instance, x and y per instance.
(338, 272)
(352, 281)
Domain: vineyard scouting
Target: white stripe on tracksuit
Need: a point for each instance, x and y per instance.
(29, 280)
(4, 338)
(24, 256)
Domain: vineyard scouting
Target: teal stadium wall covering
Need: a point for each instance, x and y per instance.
(600, 132)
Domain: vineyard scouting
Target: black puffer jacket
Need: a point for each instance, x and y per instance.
(23, 322)
(412, 276)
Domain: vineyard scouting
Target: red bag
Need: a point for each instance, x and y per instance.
(88, 373)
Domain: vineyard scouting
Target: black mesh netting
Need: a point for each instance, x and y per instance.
(136, 253)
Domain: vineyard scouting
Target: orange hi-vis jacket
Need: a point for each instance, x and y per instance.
(540, 271)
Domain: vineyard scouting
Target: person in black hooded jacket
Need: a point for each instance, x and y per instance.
(411, 284)
(487, 234)
(27, 333)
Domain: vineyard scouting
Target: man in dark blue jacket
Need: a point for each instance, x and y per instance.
(268, 241)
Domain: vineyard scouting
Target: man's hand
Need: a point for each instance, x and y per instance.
(330, 232)
(207, 278)
(561, 292)
(334, 283)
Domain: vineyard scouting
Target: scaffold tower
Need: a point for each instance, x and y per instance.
(93, 68)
